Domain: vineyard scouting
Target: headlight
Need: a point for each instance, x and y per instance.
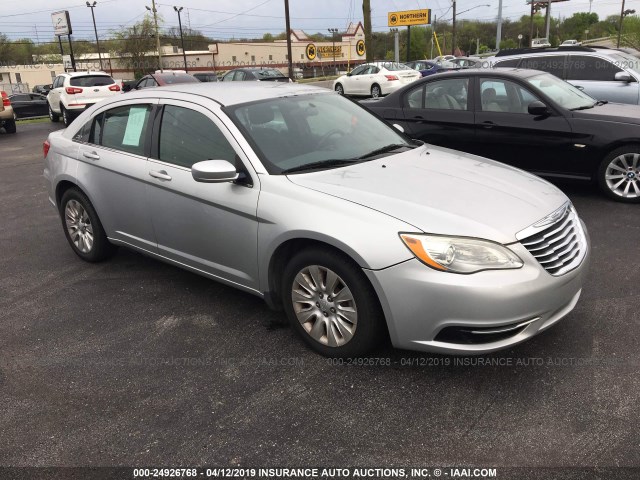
(460, 255)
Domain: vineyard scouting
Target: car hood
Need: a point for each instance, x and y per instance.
(611, 112)
(442, 191)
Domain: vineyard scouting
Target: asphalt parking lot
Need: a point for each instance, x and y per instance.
(133, 362)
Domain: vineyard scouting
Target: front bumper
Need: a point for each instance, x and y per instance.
(420, 303)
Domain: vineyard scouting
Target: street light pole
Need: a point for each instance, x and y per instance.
(623, 14)
(184, 54)
(92, 6)
(499, 32)
(155, 21)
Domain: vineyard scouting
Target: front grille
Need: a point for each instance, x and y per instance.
(559, 247)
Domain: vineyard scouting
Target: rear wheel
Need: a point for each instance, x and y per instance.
(53, 116)
(66, 116)
(10, 126)
(331, 304)
(339, 89)
(619, 174)
(375, 91)
(82, 227)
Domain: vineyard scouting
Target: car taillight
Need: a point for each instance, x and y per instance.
(114, 88)
(73, 90)
(45, 148)
(391, 77)
(5, 99)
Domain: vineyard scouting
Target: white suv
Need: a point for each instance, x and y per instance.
(74, 92)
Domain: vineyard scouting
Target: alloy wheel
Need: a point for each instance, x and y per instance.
(79, 226)
(623, 175)
(375, 91)
(324, 305)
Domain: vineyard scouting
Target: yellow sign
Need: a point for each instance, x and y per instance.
(410, 17)
(311, 51)
(330, 50)
(360, 50)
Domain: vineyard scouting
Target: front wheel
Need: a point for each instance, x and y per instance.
(331, 304)
(340, 89)
(53, 116)
(619, 174)
(82, 227)
(375, 91)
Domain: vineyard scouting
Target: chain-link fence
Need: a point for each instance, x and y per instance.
(15, 88)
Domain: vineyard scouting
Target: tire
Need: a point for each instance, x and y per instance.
(10, 126)
(339, 89)
(375, 91)
(66, 116)
(80, 219)
(53, 116)
(356, 319)
(619, 174)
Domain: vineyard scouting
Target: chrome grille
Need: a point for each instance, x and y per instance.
(558, 246)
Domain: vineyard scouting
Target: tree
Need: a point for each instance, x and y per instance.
(631, 32)
(136, 46)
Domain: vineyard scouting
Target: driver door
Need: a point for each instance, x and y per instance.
(210, 227)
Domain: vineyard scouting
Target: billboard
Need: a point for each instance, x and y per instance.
(61, 23)
(409, 17)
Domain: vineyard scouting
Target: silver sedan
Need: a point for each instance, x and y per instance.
(301, 197)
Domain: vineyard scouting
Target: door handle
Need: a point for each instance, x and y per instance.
(91, 155)
(419, 118)
(162, 175)
(488, 125)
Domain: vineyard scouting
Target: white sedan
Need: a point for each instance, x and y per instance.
(375, 79)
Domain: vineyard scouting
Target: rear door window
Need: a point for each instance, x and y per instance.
(553, 64)
(123, 128)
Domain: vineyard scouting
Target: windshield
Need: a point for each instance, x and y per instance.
(561, 92)
(291, 132)
(177, 78)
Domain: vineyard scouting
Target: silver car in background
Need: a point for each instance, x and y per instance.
(302, 197)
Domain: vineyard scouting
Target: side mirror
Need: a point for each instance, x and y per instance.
(623, 77)
(126, 87)
(349, 74)
(214, 171)
(538, 109)
(398, 127)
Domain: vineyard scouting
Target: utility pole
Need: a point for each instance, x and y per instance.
(433, 33)
(548, 20)
(396, 45)
(288, 25)
(533, 10)
(95, 30)
(155, 21)
(366, 13)
(184, 54)
(333, 48)
(453, 39)
(499, 32)
(408, 43)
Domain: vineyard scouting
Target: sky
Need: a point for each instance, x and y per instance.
(234, 19)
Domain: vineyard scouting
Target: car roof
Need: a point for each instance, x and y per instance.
(233, 93)
(517, 52)
(494, 72)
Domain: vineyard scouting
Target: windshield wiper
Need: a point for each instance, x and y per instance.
(584, 107)
(385, 149)
(320, 164)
